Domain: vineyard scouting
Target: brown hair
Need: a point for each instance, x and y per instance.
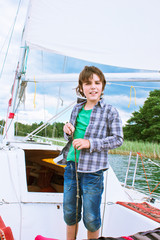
(86, 74)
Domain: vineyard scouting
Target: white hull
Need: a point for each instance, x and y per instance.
(41, 213)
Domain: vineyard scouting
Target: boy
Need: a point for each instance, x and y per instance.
(96, 127)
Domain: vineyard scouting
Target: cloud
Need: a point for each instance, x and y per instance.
(125, 105)
(123, 100)
(40, 107)
(124, 116)
(29, 116)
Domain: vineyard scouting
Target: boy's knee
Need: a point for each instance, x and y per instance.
(70, 217)
(92, 225)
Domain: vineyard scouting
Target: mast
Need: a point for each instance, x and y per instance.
(18, 87)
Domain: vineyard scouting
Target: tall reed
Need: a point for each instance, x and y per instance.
(147, 149)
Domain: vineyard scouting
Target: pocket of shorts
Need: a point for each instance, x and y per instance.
(95, 182)
(68, 177)
(98, 173)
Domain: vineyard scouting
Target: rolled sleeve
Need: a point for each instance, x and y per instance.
(67, 137)
(108, 143)
(95, 145)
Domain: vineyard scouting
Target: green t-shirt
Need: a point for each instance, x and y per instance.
(80, 129)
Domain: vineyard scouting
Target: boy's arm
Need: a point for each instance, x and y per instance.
(115, 135)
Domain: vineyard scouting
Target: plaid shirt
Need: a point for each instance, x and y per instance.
(104, 132)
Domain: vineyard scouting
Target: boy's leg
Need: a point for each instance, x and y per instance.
(71, 232)
(92, 235)
(69, 201)
(92, 188)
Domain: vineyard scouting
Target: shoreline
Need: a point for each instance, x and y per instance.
(148, 155)
(147, 149)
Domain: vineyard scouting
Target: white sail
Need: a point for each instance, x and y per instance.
(113, 32)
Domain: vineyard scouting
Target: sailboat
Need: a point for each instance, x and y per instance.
(112, 32)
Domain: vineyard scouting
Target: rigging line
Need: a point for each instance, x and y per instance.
(21, 94)
(10, 38)
(144, 171)
(48, 122)
(36, 131)
(124, 85)
(149, 160)
(5, 40)
(44, 91)
(150, 192)
(7, 128)
(10, 101)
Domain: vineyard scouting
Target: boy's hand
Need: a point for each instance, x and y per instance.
(80, 143)
(68, 128)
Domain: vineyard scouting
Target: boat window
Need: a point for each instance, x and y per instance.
(43, 175)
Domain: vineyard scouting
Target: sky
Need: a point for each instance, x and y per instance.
(44, 100)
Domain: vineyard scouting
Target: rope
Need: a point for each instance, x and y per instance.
(77, 195)
(130, 96)
(150, 192)
(37, 130)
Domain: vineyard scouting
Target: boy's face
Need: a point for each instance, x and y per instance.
(92, 89)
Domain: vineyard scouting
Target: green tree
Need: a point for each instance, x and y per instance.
(24, 129)
(145, 123)
(2, 124)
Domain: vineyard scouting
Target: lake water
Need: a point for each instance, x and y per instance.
(119, 164)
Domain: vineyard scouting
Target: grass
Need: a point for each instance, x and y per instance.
(147, 149)
(56, 141)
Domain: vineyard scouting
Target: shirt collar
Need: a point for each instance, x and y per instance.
(101, 102)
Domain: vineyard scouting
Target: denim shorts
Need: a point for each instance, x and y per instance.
(91, 189)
